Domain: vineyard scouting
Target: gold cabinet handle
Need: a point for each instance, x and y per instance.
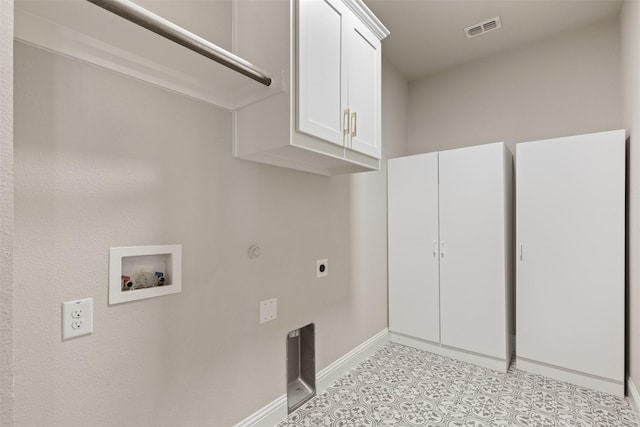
(354, 124)
(345, 126)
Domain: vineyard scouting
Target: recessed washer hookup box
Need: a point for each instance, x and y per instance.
(138, 272)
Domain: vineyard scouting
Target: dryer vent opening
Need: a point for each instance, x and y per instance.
(301, 366)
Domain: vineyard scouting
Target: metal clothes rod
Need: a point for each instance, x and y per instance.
(149, 20)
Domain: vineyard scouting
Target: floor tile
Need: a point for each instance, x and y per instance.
(402, 386)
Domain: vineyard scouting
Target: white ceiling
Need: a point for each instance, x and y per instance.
(427, 36)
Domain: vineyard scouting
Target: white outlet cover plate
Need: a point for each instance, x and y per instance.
(324, 273)
(268, 310)
(77, 318)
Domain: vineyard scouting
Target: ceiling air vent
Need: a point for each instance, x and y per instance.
(483, 27)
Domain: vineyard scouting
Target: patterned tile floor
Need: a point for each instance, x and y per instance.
(402, 386)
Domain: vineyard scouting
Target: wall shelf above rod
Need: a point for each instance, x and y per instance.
(80, 30)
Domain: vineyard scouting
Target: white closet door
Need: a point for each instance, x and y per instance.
(570, 273)
(413, 251)
(472, 240)
(322, 71)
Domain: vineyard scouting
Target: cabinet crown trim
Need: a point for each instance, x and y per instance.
(367, 17)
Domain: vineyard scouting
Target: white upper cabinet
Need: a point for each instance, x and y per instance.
(338, 77)
(328, 119)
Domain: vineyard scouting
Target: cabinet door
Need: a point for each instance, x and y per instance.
(321, 69)
(472, 244)
(570, 271)
(413, 250)
(364, 66)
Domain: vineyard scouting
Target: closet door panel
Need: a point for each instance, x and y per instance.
(570, 275)
(472, 246)
(413, 236)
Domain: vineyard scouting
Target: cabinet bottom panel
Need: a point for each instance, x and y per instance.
(490, 362)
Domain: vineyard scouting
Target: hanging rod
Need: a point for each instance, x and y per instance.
(149, 20)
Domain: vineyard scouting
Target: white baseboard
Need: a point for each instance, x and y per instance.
(575, 377)
(501, 365)
(333, 372)
(268, 415)
(633, 395)
(276, 411)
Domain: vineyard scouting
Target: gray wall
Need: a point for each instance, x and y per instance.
(6, 212)
(103, 160)
(564, 85)
(630, 35)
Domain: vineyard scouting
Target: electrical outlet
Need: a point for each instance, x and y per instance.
(77, 318)
(268, 310)
(322, 268)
